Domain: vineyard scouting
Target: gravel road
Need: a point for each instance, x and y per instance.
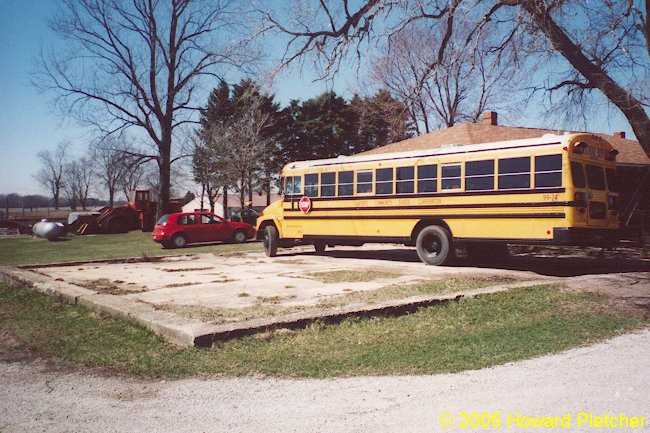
(605, 379)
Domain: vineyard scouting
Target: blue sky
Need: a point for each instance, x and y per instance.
(29, 122)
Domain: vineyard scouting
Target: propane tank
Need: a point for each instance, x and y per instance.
(48, 229)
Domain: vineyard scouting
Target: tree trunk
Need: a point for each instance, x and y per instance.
(268, 190)
(225, 202)
(595, 75)
(250, 191)
(164, 170)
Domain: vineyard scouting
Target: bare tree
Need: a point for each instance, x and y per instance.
(112, 163)
(51, 174)
(204, 163)
(464, 85)
(138, 64)
(133, 179)
(239, 145)
(607, 48)
(79, 176)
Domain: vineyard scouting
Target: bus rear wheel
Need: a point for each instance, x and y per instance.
(271, 241)
(433, 245)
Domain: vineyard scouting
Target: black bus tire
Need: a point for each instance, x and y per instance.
(319, 246)
(270, 241)
(433, 245)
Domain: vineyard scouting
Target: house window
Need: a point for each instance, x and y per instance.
(427, 178)
(479, 175)
(364, 182)
(384, 181)
(451, 177)
(346, 183)
(514, 173)
(328, 184)
(548, 171)
(405, 183)
(311, 185)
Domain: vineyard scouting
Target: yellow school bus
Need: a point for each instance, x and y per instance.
(555, 189)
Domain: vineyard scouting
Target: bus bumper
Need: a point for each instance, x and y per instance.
(585, 236)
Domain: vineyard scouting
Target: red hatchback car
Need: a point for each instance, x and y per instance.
(175, 230)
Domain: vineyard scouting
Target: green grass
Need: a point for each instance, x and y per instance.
(29, 250)
(470, 334)
(348, 276)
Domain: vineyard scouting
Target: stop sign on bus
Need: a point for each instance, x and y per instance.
(305, 204)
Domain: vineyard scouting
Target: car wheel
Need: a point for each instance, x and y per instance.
(179, 241)
(239, 237)
(433, 245)
(271, 239)
(319, 246)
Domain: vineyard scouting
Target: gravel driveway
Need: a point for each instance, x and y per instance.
(605, 379)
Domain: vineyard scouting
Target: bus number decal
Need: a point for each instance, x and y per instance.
(550, 197)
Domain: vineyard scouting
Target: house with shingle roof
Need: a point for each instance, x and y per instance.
(632, 161)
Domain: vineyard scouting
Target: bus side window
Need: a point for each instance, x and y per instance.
(346, 183)
(514, 173)
(548, 171)
(405, 176)
(450, 176)
(578, 174)
(479, 175)
(328, 184)
(311, 185)
(384, 181)
(427, 178)
(364, 182)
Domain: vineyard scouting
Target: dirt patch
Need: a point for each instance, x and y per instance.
(181, 284)
(107, 287)
(9, 340)
(188, 269)
(628, 293)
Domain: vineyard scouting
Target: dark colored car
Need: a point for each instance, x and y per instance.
(249, 216)
(176, 230)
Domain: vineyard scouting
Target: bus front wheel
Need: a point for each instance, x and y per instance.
(271, 241)
(433, 245)
(319, 246)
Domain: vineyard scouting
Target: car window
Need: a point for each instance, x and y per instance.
(209, 219)
(191, 219)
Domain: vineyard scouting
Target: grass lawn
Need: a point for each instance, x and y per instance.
(470, 334)
(30, 250)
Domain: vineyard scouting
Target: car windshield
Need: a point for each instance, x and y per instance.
(163, 219)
